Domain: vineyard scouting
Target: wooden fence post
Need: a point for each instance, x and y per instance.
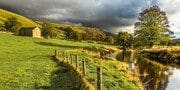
(56, 53)
(67, 57)
(84, 66)
(99, 78)
(63, 55)
(71, 58)
(77, 62)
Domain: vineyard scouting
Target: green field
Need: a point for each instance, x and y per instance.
(26, 63)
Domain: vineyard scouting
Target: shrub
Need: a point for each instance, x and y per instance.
(49, 30)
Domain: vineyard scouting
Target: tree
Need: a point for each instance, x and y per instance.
(110, 40)
(152, 28)
(72, 33)
(49, 30)
(12, 25)
(100, 35)
(125, 40)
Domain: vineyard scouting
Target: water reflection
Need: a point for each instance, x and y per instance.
(174, 80)
(153, 75)
(159, 77)
(170, 71)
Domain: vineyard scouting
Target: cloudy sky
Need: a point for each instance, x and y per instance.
(109, 15)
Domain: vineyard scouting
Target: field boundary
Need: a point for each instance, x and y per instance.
(76, 74)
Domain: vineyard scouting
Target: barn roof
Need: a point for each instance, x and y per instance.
(27, 28)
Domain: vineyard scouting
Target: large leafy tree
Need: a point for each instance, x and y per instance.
(152, 28)
(125, 40)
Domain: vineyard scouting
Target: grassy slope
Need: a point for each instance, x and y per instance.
(26, 62)
(26, 22)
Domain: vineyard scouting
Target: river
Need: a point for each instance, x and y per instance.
(174, 80)
(153, 75)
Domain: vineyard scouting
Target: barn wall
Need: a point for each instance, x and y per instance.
(25, 33)
(36, 33)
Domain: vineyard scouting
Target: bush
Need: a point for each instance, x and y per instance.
(12, 25)
(2, 29)
(49, 30)
(73, 34)
(110, 40)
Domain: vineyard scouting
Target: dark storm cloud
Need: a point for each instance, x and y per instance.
(105, 14)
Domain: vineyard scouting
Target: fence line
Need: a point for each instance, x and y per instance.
(74, 57)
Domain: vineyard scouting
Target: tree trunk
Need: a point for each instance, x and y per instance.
(123, 53)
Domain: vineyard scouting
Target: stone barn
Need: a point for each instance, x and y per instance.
(30, 31)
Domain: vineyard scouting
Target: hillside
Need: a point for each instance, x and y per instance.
(26, 22)
(61, 31)
(27, 63)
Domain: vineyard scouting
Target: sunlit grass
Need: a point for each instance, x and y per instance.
(169, 48)
(26, 62)
(116, 75)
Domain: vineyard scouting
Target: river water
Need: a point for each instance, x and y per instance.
(155, 76)
(174, 80)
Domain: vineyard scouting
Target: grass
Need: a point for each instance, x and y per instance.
(26, 63)
(168, 48)
(173, 50)
(116, 75)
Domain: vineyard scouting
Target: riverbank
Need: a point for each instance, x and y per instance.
(168, 55)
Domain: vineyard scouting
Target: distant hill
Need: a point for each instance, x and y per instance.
(177, 41)
(82, 32)
(26, 22)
